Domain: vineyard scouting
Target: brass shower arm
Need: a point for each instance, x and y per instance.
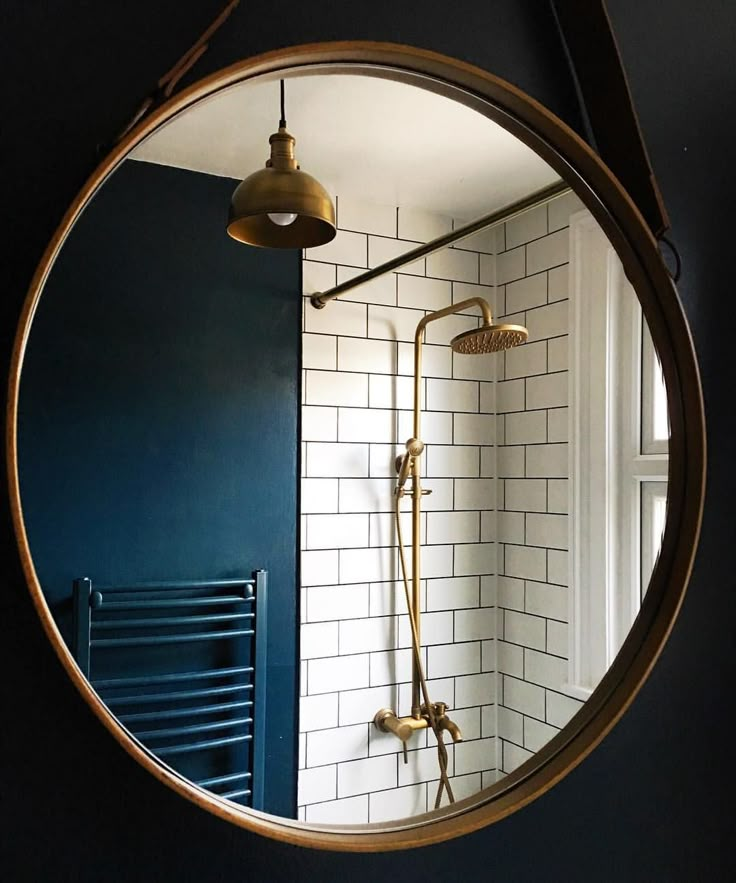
(455, 308)
(419, 340)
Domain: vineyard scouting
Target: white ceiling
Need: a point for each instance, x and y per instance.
(367, 138)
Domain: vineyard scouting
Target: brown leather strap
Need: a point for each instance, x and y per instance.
(167, 83)
(605, 98)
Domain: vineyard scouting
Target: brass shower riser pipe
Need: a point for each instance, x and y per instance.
(416, 472)
(320, 299)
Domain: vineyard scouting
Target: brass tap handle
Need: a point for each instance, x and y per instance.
(387, 722)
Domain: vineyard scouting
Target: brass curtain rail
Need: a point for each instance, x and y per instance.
(320, 299)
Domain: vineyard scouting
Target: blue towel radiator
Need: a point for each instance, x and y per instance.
(182, 665)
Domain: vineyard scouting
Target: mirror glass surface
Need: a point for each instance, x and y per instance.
(207, 462)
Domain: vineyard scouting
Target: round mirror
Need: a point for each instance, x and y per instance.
(344, 541)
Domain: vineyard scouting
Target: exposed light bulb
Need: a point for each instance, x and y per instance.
(283, 219)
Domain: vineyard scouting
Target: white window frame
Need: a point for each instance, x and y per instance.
(612, 454)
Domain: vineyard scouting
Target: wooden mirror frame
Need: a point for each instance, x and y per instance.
(616, 213)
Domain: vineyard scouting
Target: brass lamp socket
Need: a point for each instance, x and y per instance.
(282, 151)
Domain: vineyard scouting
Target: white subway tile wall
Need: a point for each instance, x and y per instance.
(355, 639)
(494, 530)
(532, 473)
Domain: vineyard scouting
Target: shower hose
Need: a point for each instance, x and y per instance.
(444, 783)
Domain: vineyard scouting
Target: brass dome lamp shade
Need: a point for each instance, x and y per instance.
(280, 206)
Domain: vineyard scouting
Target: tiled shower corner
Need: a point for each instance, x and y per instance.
(494, 427)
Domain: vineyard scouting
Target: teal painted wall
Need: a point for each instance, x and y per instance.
(159, 415)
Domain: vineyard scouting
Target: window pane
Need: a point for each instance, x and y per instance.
(661, 424)
(655, 429)
(653, 518)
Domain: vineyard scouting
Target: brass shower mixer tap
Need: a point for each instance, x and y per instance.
(387, 721)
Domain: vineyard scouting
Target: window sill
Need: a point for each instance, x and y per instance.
(577, 691)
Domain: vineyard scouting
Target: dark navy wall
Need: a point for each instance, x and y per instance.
(158, 413)
(654, 801)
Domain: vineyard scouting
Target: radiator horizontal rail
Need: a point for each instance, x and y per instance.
(155, 640)
(154, 603)
(169, 620)
(174, 713)
(145, 698)
(172, 677)
(202, 746)
(232, 795)
(184, 584)
(192, 729)
(222, 780)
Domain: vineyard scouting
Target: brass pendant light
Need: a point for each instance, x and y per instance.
(281, 206)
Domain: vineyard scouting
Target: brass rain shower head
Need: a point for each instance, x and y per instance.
(489, 339)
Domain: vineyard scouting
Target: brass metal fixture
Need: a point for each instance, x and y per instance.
(488, 338)
(280, 206)
(320, 299)
(402, 727)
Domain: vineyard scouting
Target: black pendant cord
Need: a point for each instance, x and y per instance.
(282, 121)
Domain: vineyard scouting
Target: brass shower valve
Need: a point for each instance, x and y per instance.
(387, 721)
(403, 728)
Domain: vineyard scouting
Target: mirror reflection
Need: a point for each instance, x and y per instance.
(342, 559)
